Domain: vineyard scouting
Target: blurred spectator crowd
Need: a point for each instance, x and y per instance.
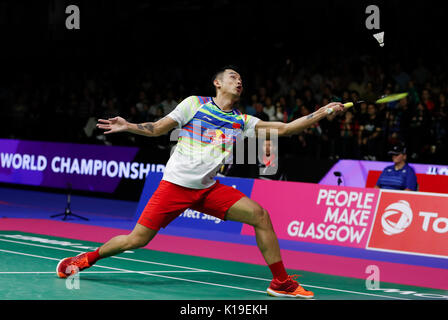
(64, 106)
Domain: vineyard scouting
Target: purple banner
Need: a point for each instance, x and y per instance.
(355, 172)
(95, 168)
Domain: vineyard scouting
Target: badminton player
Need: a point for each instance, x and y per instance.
(208, 128)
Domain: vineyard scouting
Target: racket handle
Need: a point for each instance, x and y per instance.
(346, 105)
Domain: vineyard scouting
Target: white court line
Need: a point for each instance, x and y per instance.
(269, 280)
(212, 271)
(78, 251)
(144, 273)
(29, 255)
(40, 245)
(95, 272)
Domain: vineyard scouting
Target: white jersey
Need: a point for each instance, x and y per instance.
(206, 139)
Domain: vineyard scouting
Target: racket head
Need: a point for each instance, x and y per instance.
(392, 97)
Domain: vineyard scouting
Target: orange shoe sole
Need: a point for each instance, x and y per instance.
(274, 293)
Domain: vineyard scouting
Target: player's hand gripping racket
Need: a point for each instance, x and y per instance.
(346, 106)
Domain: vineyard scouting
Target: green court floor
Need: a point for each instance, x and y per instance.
(28, 263)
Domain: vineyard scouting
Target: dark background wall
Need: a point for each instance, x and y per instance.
(192, 34)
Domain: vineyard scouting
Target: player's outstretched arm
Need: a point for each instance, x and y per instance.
(298, 125)
(150, 129)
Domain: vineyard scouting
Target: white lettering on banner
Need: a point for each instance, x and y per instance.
(344, 199)
(16, 161)
(112, 172)
(103, 171)
(124, 169)
(54, 167)
(134, 169)
(193, 214)
(346, 217)
(145, 170)
(427, 216)
(356, 217)
(97, 165)
(87, 166)
(25, 161)
(30, 164)
(65, 165)
(328, 232)
(75, 166)
(435, 170)
(436, 226)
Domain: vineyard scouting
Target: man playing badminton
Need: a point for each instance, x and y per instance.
(209, 127)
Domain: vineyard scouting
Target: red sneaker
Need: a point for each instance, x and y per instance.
(288, 288)
(69, 266)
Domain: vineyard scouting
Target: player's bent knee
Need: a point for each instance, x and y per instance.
(266, 219)
(262, 218)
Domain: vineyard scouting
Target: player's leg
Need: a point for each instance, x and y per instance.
(139, 237)
(249, 212)
(167, 202)
(227, 203)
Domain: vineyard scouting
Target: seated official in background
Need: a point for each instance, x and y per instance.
(399, 176)
(270, 165)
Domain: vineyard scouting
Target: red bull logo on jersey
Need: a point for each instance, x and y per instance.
(217, 136)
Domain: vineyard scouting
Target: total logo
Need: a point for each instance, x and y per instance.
(398, 216)
(404, 213)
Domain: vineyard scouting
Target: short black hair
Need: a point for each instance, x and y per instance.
(221, 70)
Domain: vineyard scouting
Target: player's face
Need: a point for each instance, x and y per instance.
(231, 83)
(398, 158)
(268, 148)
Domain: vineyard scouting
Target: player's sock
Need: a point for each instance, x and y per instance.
(278, 271)
(93, 257)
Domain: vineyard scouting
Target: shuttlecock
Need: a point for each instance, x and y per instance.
(380, 38)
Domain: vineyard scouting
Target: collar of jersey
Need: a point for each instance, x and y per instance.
(213, 102)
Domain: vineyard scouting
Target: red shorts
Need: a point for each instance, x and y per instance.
(170, 200)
